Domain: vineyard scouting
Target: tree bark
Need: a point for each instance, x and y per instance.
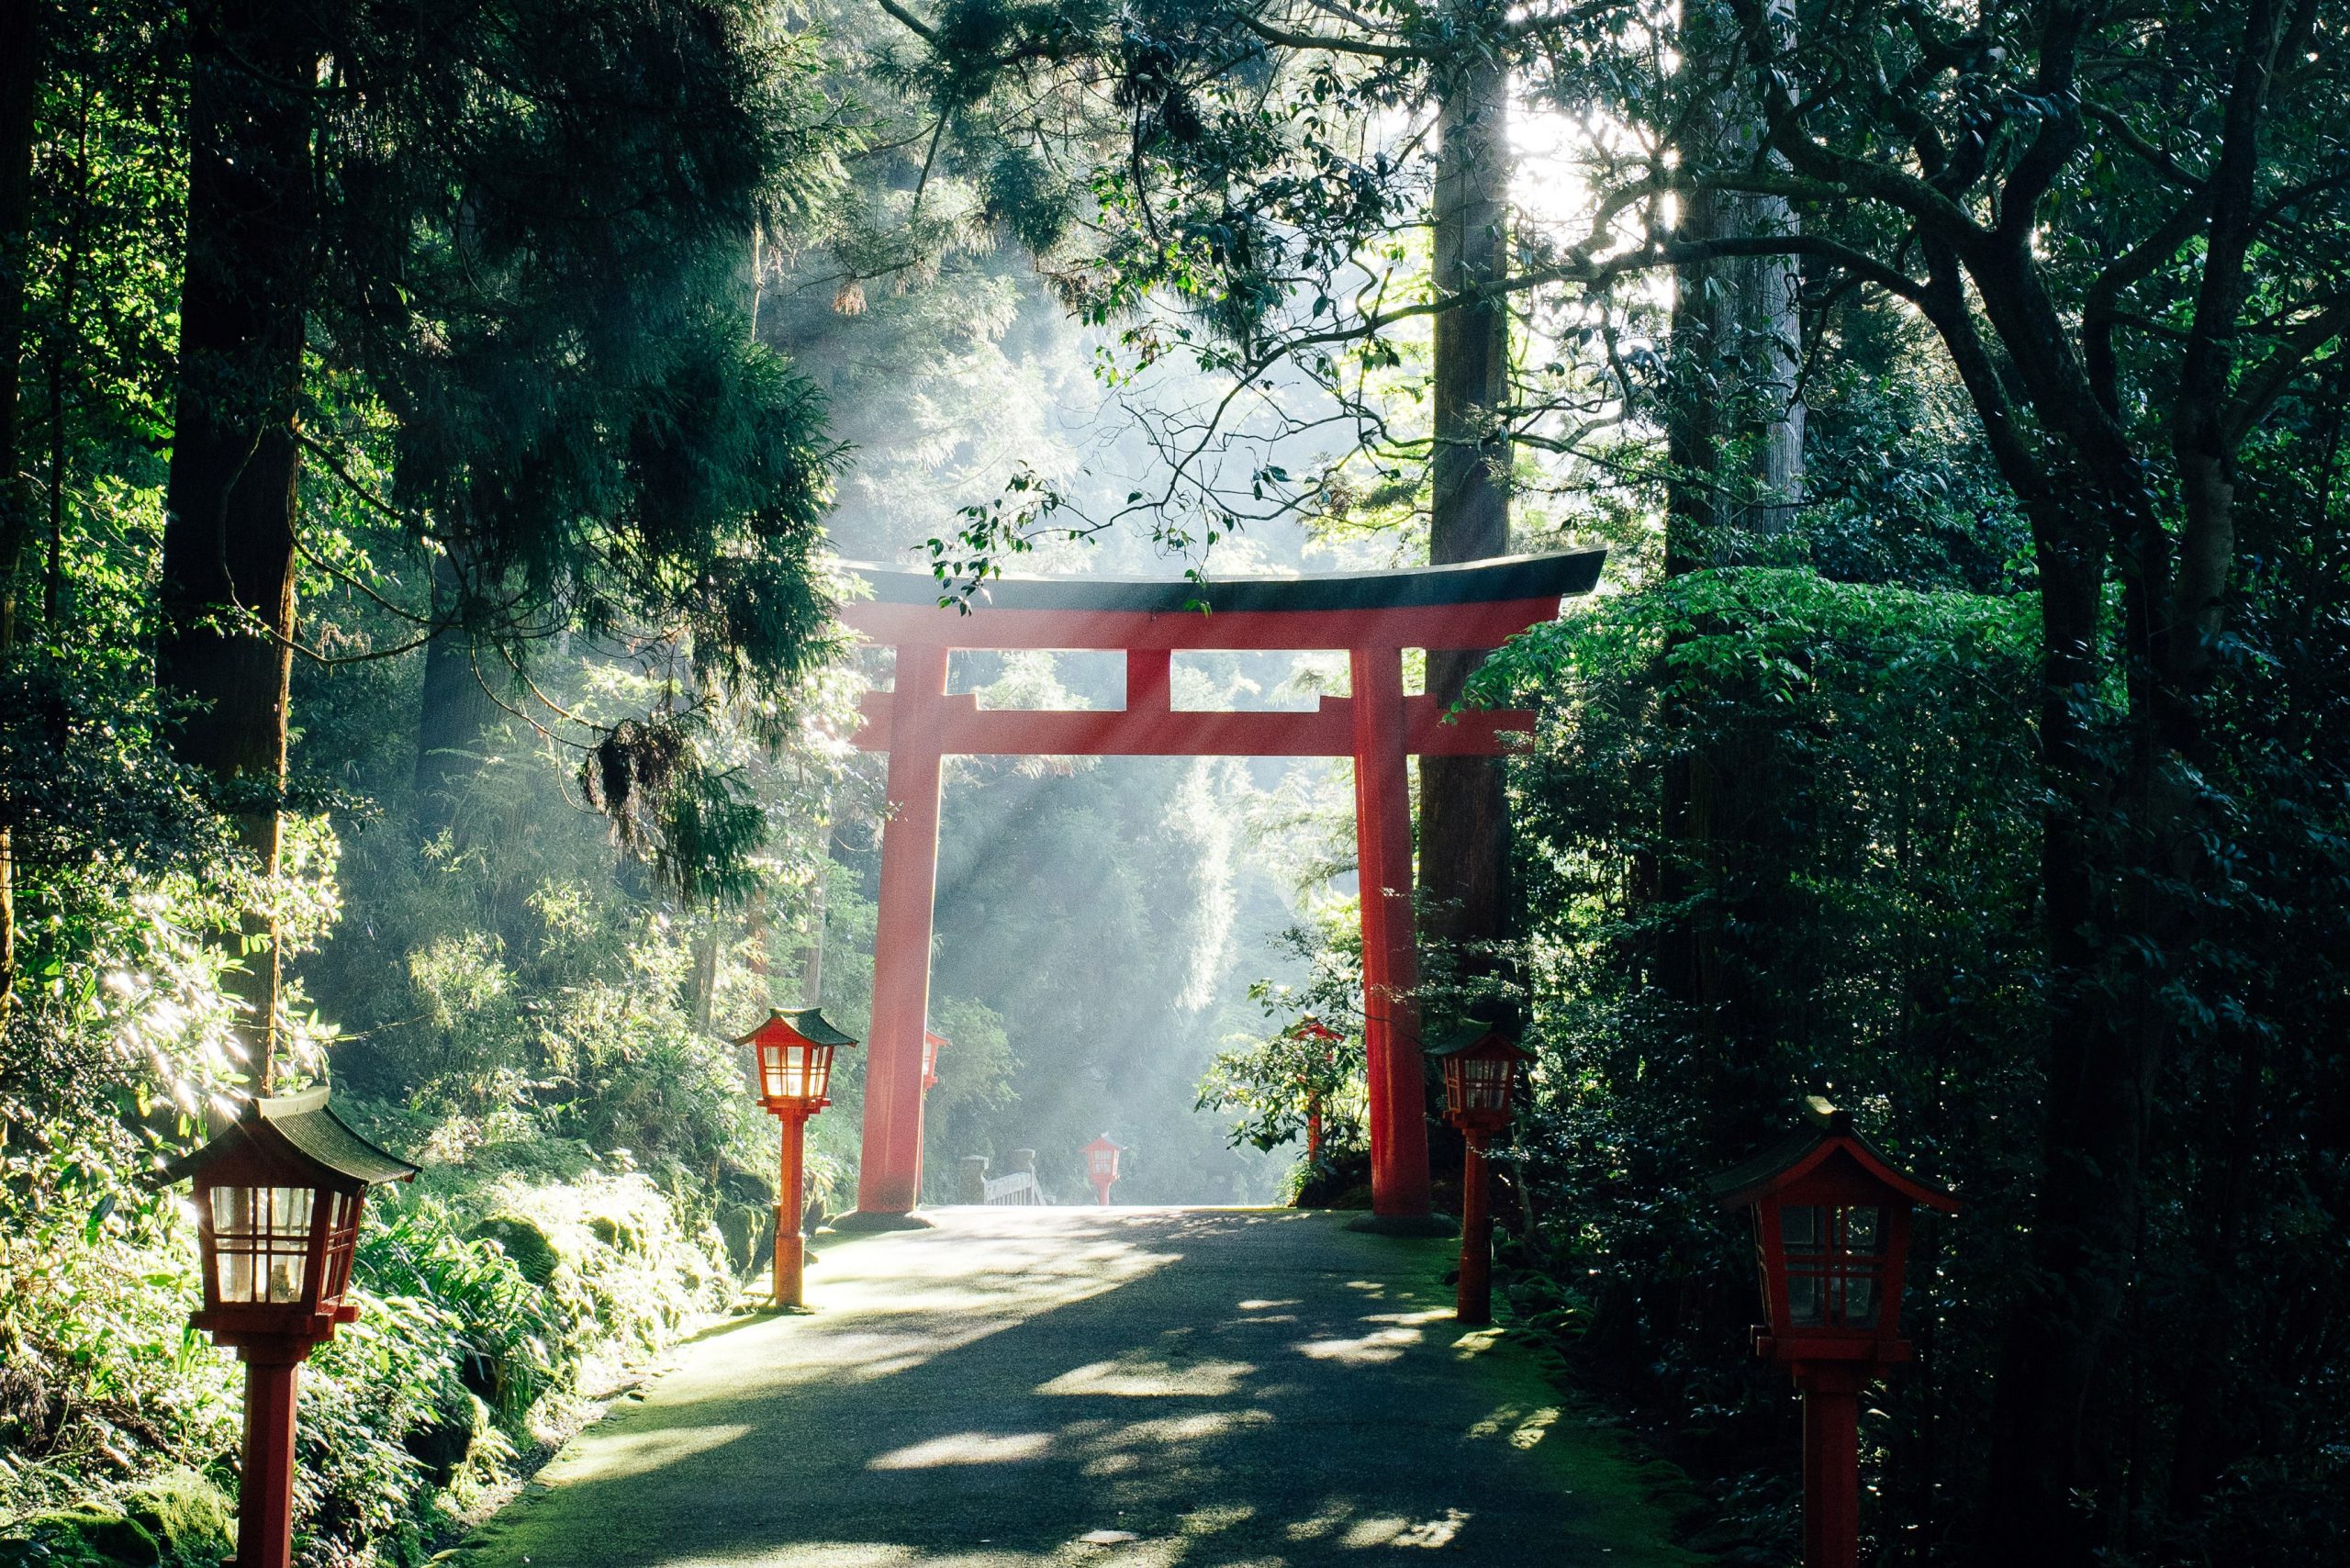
(455, 716)
(19, 98)
(1464, 819)
(701, 984)
(812, 957)
(1734, 425)
(2124, 852)
(224, 653)
(1735, 415)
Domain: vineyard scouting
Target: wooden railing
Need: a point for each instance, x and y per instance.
(1020, 1187)
(1016, 1186)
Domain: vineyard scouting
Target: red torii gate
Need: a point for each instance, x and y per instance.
(1374, 616)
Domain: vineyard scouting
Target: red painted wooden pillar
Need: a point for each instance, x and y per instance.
(1391, 965)
(265, 1493)
(889, 1179)
(791, 1209)
(1831, 1464)
(1473, 1302)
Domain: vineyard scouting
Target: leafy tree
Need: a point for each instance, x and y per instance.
(448, 213)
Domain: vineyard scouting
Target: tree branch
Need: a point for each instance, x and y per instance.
(913, 23)
(1289, 40)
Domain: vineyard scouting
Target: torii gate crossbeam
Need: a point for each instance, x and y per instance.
(1372, 616)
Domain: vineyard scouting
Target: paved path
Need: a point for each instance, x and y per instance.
(1201, 1387)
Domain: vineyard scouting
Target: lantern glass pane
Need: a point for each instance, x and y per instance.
(261, 1239)
(1800, 1234)
(793, 1072)
(342, 1238)
(1485, 1084)
(1833, 1262)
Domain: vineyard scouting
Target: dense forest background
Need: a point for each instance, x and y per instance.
(428, 443)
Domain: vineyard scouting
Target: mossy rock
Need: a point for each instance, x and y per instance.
(191, 1519)
(95, 1537)
(524, 1242)
(442, 1444)
(741, 1185)
(749, 1234)
(613, 1232)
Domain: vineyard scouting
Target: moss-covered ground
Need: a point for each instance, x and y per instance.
(1138, 1388)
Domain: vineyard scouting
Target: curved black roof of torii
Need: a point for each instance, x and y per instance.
(1503, 579)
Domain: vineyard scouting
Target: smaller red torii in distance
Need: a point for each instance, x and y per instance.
(1372, 616)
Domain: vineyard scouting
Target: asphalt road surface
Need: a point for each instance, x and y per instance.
(1095, 1388)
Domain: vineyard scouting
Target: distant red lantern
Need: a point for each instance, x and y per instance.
(1311, 1028)
(1102, 1167)
(1480, 1067)
(278, 1197)
(931, 1046)
(794, 1051)
(1832, 1240)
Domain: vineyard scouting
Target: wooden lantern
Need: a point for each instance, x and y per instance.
(1832, 1240)
(278, 1196)
(795, 1060)
(1102, 1166)
(1480, 1067)
(277, 1202)
(1831, 1244)
(1479, 1064)
(932, 1044)
(1311, 1028)
(794, 1054)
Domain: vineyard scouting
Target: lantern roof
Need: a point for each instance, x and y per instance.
(1826, 1133)
(930, 1037)
(303, 1126)
(1311, 1028)
(1103, 1142)
(807, 1022)
(1485, 1039)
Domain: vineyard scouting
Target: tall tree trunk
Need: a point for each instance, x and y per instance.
(2125, 857)
(1465, 822)
(812, 957)
(456, 715)
(224, 653)
(19, 97)
(701, 984)
(2044, 1477)
(1735, 419)
(1734, 445)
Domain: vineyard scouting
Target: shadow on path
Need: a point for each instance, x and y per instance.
(1213, 1388)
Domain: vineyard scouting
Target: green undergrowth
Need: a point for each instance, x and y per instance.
(499, 1302)
(1728, 1508)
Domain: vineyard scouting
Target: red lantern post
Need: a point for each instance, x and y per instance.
(278, 1197)
(795, 1060)
(1831, 1241)
(931, 1046)
(1480, 1087)
(1102, 1167)
(1311, 1028)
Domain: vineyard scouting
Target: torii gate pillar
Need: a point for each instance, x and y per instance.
(889, 1179)
(1374, 616)
(1390, 959)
